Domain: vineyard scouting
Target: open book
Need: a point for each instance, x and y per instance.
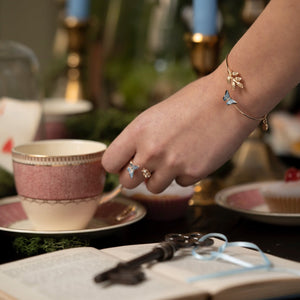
(69, 274)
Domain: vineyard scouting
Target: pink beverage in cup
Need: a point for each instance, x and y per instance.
(59, 182)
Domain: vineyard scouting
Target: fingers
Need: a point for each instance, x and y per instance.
(156, 175)
(159, 181)
(134, 168)
(137, 170)
(131, 175)
(186, 180)
(118, 154)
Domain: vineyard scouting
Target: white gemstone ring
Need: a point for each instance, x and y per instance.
(146, 173)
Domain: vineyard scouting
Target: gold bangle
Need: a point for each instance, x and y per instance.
(263, 119)
(230, 101)
(233, 77)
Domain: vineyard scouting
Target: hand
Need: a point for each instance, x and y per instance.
(185, 137)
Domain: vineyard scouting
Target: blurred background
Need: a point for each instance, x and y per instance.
(134, 51)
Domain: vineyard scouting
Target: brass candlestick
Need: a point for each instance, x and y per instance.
(203, 51)
(254, 161)
(76, 29)
(70, 84)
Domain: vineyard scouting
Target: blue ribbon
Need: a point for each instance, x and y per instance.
(219, 254)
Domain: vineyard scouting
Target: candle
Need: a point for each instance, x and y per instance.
(79, 9)
(205, 16)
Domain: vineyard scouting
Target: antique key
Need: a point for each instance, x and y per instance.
(131, 273)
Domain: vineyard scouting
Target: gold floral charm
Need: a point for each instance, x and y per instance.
(233, 77)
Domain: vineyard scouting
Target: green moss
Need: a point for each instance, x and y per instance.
(7, 184)
(29, 246)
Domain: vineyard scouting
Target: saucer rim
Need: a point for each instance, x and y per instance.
(263, 216)
(140, 213)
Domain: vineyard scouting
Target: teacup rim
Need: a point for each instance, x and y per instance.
(17, 150)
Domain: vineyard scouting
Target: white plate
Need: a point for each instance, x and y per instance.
(54, 107)
(13, 218)
(251, 204)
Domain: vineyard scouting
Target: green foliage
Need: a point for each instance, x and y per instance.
(100, 125)
(140, 84)
(29, 246)
(233, 26)
(111, 181)
(7, 184)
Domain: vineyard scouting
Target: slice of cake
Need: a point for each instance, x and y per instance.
(284, 196)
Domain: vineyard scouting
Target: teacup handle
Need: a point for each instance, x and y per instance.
(112, 194)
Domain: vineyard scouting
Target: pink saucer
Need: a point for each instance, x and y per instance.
(116, 213)
(248, 201)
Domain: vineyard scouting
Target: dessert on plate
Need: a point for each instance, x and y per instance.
(284, 196)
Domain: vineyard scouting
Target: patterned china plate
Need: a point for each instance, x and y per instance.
(113, 215)
(247, 200)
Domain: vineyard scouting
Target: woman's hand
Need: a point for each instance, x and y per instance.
(192, 133)
(185, 137)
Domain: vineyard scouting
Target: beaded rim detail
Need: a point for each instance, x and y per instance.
(62, 202)
(55, 160)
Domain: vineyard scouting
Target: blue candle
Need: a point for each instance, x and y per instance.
(205, 16)
(79, 9)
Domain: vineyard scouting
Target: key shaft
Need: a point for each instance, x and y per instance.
(161, 252)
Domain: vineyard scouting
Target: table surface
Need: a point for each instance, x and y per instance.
(278, 240)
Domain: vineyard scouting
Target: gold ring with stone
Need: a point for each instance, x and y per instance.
(146, 173)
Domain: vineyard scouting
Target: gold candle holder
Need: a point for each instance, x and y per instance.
(254, 161)
(74, 89)
(203, 51)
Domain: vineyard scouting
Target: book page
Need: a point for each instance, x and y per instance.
(68, 274)
(184, 267)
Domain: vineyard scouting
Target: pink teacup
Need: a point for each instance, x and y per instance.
(59, 182)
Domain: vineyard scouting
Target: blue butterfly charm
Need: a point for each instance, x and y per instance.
(227, 98)
(131, 169)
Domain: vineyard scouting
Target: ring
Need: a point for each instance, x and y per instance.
(131, 169)
(146, 173)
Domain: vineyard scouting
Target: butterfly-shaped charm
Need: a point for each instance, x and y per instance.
(228, 99)
(131, 169)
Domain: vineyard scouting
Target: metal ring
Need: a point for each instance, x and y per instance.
(146, 173)
(132, 168)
